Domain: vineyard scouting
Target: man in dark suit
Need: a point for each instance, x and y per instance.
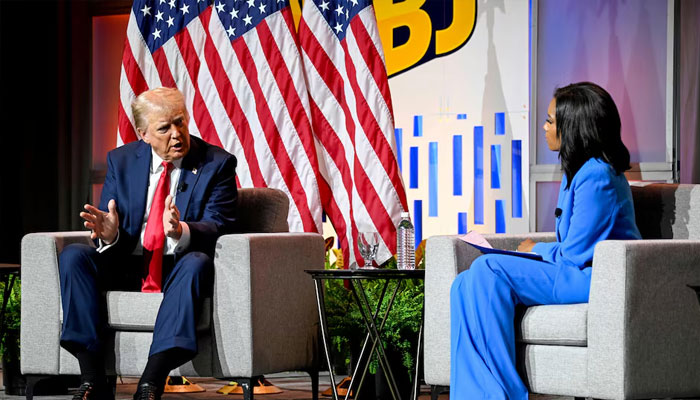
(165, 201)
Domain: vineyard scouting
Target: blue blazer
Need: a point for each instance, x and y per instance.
(597, 206)
(206, 194)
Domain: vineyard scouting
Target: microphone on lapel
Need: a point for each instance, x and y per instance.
(182, 187)
(557, 212)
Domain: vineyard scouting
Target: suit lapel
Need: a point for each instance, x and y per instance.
(189, 175)
(140, 170)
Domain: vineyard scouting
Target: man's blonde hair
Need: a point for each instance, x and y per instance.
(162, 98)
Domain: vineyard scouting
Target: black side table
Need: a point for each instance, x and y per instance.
(373, 323)
(8, 272)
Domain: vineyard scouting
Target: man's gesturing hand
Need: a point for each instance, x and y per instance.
(104, 225)
(171, 219)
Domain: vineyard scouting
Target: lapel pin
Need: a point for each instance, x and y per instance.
(194, 171)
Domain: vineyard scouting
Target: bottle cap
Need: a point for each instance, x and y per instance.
(405, 214)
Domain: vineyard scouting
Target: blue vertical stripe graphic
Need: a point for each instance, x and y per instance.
(500, 216)
(517, 179)
(413, 178)
(398, 134)
(461, 116)
(478, 174)
(461, 223)
(418, 220)
(457, 165)
(495, 166)
(500, 123)
(433, 179)
(417, 125)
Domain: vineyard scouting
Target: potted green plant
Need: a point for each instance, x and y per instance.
(9, 343)
(400, 330)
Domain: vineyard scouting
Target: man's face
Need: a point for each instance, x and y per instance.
(167, 133)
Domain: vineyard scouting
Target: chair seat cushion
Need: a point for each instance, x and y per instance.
(560, 324)
(136, 311)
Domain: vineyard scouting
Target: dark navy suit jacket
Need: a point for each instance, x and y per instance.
(206, 195)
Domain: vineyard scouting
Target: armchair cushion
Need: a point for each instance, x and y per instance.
(559, 324)
(136, 311)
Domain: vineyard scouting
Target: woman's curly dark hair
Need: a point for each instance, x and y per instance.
(588, 125)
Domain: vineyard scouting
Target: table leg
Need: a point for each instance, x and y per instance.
(372, 328)
(416, 383)
(324, 333)
(361, 362)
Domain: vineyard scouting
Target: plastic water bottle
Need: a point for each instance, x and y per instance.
(405, 243)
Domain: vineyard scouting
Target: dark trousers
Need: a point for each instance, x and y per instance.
(86, 275)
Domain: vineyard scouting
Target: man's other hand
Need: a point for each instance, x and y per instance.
(171, 219)
(104, 225)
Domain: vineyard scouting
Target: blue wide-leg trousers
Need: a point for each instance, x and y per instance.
(482, 307)
(86, 274)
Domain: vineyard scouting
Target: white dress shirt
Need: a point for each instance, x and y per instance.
(171, 245)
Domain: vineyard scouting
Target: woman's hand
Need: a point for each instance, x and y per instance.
(526, 245)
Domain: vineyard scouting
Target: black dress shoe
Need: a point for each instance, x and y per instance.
(90, 391)
(147, 391)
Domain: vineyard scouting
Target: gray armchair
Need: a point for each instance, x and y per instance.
(639, 335)
(261, 318)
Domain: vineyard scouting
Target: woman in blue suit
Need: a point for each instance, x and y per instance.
(595, 203)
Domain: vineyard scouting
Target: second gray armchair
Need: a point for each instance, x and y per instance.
(639, 334)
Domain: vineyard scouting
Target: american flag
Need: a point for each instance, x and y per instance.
(353, 120)
(239, 67)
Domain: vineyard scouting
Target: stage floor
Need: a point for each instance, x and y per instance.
(295, 386)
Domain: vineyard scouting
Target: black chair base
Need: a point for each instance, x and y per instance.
(436, 390)
(248, 385)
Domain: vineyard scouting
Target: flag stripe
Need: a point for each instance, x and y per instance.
(369, 123)
(133, 72)
(293, 111)
(321, 66)
(288, 143)
(370, 115)
(372, 59)
(237, 89)
(163, 68)
(141, 56)
(233, 108)
(271, 133)
(370, 199)
(352, 119)
(289, 21)
(290, 96)
(334, 147)
(199, 109)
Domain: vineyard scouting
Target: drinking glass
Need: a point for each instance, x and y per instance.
(368, 244)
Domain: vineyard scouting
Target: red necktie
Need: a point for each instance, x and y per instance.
(154, 237)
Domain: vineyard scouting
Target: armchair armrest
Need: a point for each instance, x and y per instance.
(264, 301)
(40, 329)
(447, 256)
(643, 320)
